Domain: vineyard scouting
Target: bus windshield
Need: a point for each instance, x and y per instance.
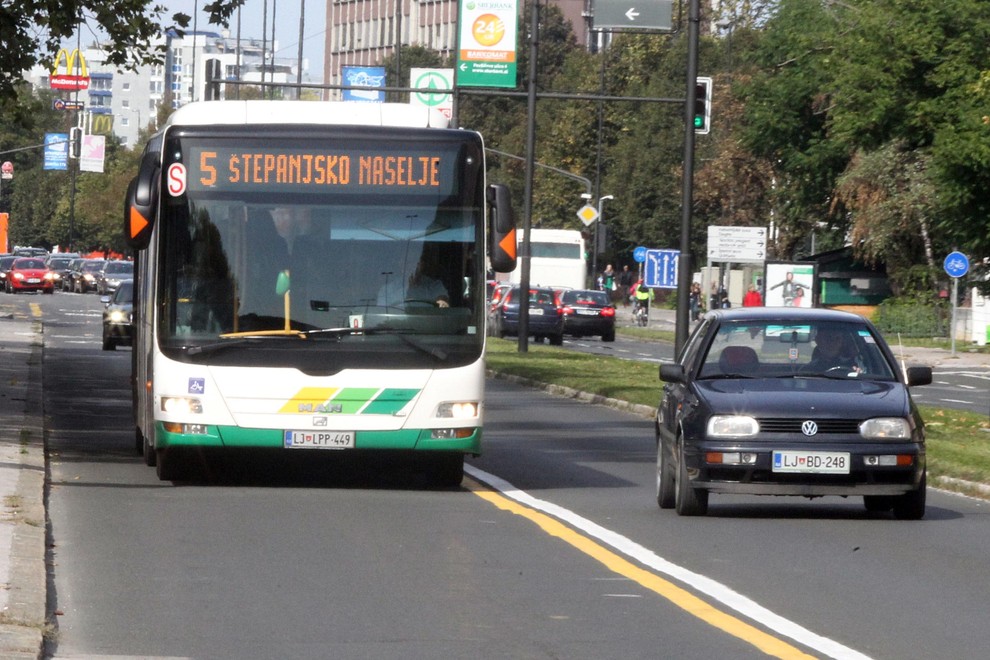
(367, 246)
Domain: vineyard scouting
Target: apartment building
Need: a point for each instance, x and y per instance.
(125, 101)
(365, 32)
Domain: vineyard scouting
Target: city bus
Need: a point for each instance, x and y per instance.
(557, 259)
(279, 246)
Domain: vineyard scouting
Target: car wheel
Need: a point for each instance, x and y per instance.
(911, 506)
(666, 496)
(687, 500)
(878, 503)
(138, 441)
(109, 343)
(609, 336)
(556, 340)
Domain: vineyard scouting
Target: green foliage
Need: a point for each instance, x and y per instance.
(912, 317)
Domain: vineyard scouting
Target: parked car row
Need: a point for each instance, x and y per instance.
(553, 313)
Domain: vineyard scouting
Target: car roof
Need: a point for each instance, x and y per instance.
(789, 314)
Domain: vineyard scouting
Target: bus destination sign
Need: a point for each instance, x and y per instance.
(239, 169)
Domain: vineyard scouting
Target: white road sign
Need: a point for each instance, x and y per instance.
(737, 243)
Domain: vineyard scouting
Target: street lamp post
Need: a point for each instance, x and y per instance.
(594, 239)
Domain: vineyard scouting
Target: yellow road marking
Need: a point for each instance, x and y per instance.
(676, 595)
(36, 310)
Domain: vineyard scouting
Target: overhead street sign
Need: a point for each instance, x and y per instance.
(660, 269)
(633, 14)
(737, 243)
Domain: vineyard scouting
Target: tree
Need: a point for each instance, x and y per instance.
(34, 30)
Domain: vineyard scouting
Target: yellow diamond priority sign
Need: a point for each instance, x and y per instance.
(588, 214)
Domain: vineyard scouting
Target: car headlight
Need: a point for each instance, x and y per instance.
(886, 428)
(117, 316)
(735, 426)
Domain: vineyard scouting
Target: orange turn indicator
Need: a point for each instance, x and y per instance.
(508, 244)
(138, 223)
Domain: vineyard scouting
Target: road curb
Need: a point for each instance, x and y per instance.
(23, 621)
(639, 409)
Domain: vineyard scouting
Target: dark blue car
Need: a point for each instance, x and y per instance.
(786, 401)
(546, 315)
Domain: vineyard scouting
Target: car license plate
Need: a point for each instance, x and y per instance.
(33, 280)
(319, 439)
(816, 462)
(587, 312)
(535, 311)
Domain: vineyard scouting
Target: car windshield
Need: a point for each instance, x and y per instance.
(29, 263)
(92, 266)
(585, 298)
(119, 268)
(762, 349)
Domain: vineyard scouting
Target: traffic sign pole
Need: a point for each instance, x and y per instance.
(956, 265)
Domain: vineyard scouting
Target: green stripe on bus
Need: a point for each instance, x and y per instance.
(390, 401)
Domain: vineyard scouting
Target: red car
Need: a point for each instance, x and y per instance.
(30, 274)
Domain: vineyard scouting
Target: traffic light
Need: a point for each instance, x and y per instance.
(703, 106)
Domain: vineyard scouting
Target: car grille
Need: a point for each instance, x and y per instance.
(789, 425)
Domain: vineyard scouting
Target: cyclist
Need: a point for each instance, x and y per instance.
(643, 296)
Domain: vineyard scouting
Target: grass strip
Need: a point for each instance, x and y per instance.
(958, 441)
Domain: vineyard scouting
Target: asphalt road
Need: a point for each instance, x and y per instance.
(553, 547)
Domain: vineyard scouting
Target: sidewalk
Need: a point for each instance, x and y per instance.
(23, 577)
(665, 319)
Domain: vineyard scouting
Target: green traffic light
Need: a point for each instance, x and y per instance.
(699, 121)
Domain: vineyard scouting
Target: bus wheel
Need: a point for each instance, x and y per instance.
(447, 470)
(148, 451)
(171, 465)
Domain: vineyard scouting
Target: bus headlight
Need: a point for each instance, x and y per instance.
(458, 410)
(179, 405)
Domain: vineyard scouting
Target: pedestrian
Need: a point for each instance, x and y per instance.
(608, 280)
(626, 280)
(695, 301)
(752, 297)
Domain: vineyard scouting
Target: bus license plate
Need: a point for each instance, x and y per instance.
(816, 462)
(319, 439)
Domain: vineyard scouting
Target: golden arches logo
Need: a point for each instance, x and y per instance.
(74, 78)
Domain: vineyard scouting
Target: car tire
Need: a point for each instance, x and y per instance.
(878, 503)
(911, 506)
(556, 340)
(666, 480)
(688, 501)
(609, 336)
(109, 343)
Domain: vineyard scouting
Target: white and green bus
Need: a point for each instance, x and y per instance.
(311, 276)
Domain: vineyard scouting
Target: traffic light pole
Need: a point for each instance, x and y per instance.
(687, 202)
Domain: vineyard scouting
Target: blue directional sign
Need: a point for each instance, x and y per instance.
(639, 254)
(660, 269)
(956, 264)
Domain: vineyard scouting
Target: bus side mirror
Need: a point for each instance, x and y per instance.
(501, 229)
(141, 205)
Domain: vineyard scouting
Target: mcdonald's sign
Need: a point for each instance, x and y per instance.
(74, 78)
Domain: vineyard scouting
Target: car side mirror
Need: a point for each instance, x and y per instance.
(672, 373)
(919, 376)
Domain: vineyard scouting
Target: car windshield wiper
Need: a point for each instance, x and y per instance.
(724, 376)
